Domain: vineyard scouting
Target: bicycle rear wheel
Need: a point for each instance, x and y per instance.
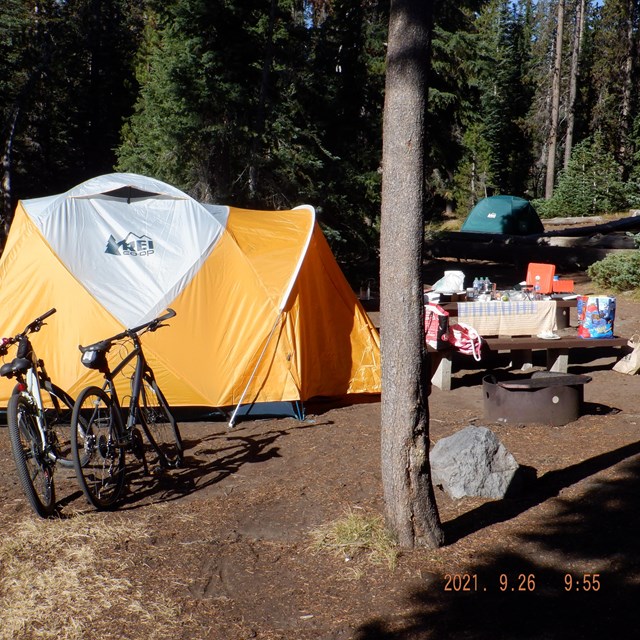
(159, 425)
(35, 470)
(99, 456)
(58, 411)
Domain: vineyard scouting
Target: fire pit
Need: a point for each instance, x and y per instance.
(544, 398)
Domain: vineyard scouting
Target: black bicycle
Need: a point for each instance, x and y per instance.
(100, 457)
(39, 418)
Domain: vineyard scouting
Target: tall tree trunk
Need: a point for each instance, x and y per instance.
(5, 213)
(408, 493)
(262, 103)
(555, 104)
(627, 87)
(573, 79)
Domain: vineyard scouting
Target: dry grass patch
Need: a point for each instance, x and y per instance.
(63, 579)
(358, 534)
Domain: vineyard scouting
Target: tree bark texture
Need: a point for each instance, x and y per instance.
(5, 186)
(410, 505)
(573, 79)
(627, 87)
(555, 104)
(261, 114)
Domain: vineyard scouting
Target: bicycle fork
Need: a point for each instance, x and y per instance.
(30, 390)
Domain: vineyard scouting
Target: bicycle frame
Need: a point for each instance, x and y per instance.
(134, 334)
(109, 434)
(30, 387)
(33, 393)
(110, 387)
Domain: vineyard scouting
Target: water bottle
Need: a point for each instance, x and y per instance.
(536, 289)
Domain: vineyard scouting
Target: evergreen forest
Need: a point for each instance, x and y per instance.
(273, 103)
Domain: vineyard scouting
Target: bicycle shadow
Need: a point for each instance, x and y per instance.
(205, 467)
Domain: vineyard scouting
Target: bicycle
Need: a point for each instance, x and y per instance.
(100, 457)
(39, 418)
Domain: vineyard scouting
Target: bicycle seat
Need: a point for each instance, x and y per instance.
(16, 366)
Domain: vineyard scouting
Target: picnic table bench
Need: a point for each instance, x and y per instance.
(521, 348)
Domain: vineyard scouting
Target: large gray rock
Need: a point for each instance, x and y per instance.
(472, 462)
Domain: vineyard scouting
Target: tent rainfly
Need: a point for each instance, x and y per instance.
(503, 214)
(264, 313)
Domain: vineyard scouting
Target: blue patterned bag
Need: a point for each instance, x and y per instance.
(596, 315)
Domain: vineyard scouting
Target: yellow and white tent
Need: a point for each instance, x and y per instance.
(264, 313)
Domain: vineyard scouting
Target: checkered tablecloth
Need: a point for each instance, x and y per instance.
(519, 318)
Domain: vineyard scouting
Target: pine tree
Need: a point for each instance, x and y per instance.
(269, 110)
(506, 94)
(65, 89)
(552, 144)
(513, 99)
(614, 76)
(196, 70)
(343, 99)
(590, 185)
(16, 78)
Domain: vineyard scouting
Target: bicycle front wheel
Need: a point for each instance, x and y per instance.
(98, 454)
(159, 425)
(35, 470)
(58, 412)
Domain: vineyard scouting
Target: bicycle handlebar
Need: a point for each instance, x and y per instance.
(152, 325)
(38, 322)
(32, 327)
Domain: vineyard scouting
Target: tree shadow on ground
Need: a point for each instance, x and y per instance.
(573, 577)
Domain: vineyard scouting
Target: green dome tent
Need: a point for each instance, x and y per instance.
(503, 214)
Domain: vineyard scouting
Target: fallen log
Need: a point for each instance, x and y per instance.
(630, 223)
(572, 221)
(615, 240)
(610, 241)
(576, 247)
(515, 250)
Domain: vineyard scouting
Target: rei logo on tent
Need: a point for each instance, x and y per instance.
(132, 245)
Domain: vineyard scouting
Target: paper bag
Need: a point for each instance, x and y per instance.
(630, 364)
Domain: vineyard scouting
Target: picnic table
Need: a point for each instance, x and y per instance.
(514, 327)
(562, 309)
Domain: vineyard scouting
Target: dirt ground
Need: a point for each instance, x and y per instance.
(226, 543)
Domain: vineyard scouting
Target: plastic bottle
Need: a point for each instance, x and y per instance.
(536, 288)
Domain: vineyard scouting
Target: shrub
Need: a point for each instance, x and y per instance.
(618, 271)
(590, 185)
